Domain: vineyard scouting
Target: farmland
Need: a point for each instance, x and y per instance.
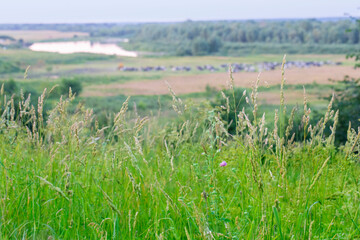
(101, 78)
(105, 87)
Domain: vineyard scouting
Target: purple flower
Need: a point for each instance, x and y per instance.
(223, 164)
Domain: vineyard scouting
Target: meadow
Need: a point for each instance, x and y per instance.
(190, 155)
(186, 179)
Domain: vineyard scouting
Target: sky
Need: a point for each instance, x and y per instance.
(96, 11)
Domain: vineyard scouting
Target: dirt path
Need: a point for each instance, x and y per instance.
(198, 83)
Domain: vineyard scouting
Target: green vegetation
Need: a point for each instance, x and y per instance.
(208, 165)
(355, 54)
(234, 103)
(231, 38)
(73, 84)
(347, 100)
(101, 70)
(234, 49)
(62, 176)
(5, 37)
(241, 37)
(8, 67)
(27, 57)
(280, 31)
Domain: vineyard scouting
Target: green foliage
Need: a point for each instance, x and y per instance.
(11, 89)
(183, 51)
(226, 37)
(234, 49)
(215, 44)
(10, 86)
(200, 47)
(356, 53)
(73, 83)
(347, 100)
(26, 57)
(138, 179)
(230, 106)
(348, 97)
(8, 67)
(143, 105)
(243, 37)
(282, 31)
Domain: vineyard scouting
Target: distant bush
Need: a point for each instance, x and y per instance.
(183, 51)
(201, 46)
(10, 86)
(73, 83)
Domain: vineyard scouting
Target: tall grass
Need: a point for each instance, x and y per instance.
(65, 178)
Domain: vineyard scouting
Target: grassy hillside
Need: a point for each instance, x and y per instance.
(187, 178)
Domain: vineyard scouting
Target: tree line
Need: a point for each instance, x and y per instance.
(212, 37)
(201, 38)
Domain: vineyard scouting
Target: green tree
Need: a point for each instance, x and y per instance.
(356, 55)
(348, 101)
(200, 47)
(214, 44)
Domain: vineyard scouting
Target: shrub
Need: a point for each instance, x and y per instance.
(347, 99)
(73, 83)
(183, 51)
(10, 86)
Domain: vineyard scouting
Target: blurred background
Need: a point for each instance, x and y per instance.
(107, 50)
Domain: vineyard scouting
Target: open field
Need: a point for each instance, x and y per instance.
(197, 83)
(30, 58)
(100, 78)
(80, 64)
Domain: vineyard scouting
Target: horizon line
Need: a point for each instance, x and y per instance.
(180, 21)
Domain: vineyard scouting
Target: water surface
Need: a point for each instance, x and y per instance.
(82, 47)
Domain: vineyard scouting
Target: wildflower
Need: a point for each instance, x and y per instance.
(223, 164)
